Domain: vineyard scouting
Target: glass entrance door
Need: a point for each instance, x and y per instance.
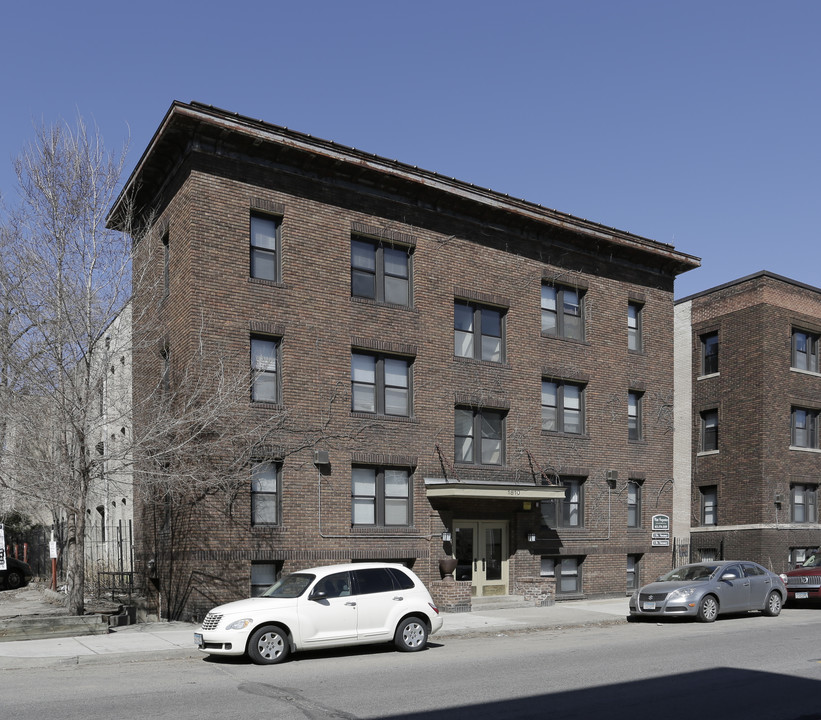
(480, 548)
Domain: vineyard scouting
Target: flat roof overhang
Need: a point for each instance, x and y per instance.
(441, 488)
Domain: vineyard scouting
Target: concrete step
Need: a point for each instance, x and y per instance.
(499, 602)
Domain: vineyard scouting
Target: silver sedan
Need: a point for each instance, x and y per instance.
(708, 589)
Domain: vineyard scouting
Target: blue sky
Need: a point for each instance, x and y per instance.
(694, 124)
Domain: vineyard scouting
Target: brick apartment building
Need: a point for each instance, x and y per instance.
(748, 376)
(446, 371)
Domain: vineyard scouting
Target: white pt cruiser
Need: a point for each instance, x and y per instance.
(331, 606)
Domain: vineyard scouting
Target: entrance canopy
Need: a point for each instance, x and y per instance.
(444, 488)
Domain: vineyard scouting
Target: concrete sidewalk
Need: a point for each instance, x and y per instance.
(157, 641)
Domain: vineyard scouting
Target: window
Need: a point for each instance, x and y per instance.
(380, 272)
(634, 326)
(479, 436)
(804, 428)
(633, 574)
(380, 384)
(478, 332)
(709, 353)
(265, 478)
(562, 312)
(803, 503)
(263, 575)
(798, 556)
(562, 407)
(634, 403)
(566, 570)
(166, 263)
(709, 431)
(380, 496)
(334, 585)
(709, 505)
(633, 504)
(805, 351)
(264, 248)
(568, 512)
(264, 368)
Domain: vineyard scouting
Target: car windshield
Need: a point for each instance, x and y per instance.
(689, 572)
(812, 561)
(290, 586)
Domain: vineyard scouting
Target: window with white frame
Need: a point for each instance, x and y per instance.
(380, 496)
(380, 384)
(633, 504)
(803, 507)
(566, 570)
(265, 482)
(634, 313)
(709, 431)
(562, 312)
(478, 332)
(479, 436)
(380, 271)
(709, 505)
(634, 425)
(562, 407)
(264, 369)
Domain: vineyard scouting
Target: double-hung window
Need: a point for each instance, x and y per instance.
(380, 271)
(562, 312)
(562, 407)
(263, 575)
(264, 370)
(633, 504)
(709, 431)
(634, 403)
(803, 503)
(264, 248)
(634, 312)
(380, 496)
(567, 572)
(569, 511)
(804, 428)
(478, 332)
(709, 505)
(709, 353)
(479, 436)
(380, 384)
(805, 351)
(265, 481)
(633, 572)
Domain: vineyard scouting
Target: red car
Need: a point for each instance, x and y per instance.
(804, 583)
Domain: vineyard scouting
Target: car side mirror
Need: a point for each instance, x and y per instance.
(729, 576)
(318, 595)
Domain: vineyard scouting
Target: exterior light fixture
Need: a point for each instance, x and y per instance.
(446, 536)
(531, 537)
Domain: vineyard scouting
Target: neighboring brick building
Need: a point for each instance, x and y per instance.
(445, 370)
(751, 455)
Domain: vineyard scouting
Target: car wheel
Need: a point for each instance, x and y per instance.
(13, 580)
(708, 608)
(268, 645)
(411, 635)
(773, 606)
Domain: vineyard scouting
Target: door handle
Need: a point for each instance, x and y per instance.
(351, 603)
(398, 597)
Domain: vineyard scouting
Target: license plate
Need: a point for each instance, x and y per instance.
(648, 606)
(198, 639)
(801, 596)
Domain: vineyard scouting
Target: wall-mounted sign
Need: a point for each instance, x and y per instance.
(661, 522)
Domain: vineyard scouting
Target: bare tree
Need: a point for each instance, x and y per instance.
(72, 278)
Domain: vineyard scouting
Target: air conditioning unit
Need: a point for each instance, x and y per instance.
(321, 457)
(612, 475)
(778, 498)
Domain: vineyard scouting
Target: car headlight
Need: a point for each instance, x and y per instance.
(239, 624)
(682, 594)
(783, 577)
